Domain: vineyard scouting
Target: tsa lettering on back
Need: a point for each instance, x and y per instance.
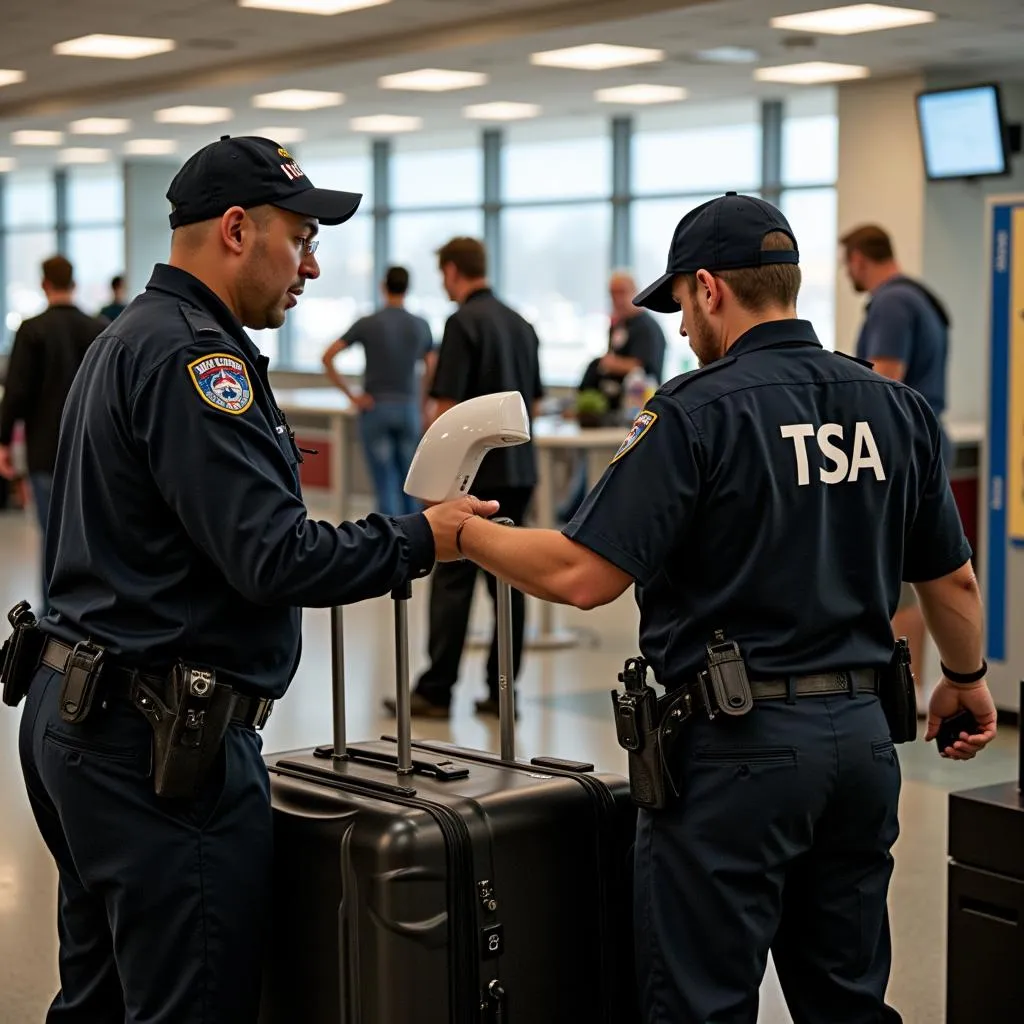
(841, 468)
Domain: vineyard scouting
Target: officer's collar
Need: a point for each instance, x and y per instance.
(774, 333)
(183, 285)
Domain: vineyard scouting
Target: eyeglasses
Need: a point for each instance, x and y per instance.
(309, 246)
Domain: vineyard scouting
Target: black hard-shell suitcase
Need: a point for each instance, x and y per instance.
(472, 888)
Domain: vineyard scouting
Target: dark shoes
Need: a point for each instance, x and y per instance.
(420, 707)
(423, 708)
(490, 707)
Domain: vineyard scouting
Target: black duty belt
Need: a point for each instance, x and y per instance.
(118, 681)
(864, 679)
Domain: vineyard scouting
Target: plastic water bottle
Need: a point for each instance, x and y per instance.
(634, 389)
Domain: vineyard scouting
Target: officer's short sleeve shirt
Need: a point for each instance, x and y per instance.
(778, 495)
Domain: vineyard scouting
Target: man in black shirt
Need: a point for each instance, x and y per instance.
(47, 352)
(635, 341)
(486, 348)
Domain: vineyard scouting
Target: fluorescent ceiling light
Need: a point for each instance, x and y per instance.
(193, 115)
(31, 137)
(500, 111)
(297, 99)
(848, 21)
(729, 55)
(433, 80)
(286, 136)
(7, 163)
(812, 72)
(81, 155)
(311, 6)
(101, 126)
(8, 77)
(386, 124)
(641, 94)
(151, 147)
(114, 47)
(596, 57)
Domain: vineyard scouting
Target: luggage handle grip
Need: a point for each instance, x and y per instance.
(303, 772)
(441, 768)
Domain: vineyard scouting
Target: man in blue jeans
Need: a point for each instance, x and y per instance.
(45, 357)
(395, 342)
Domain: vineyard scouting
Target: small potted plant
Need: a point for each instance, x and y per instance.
(591, 408)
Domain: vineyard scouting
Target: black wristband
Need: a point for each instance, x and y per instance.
(458, 533)
(965, 677)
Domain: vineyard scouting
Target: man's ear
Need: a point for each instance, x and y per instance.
(709, 291)
(232, 226)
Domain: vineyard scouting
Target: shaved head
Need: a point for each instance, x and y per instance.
(621, 289)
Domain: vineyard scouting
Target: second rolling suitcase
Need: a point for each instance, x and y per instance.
(420, 883)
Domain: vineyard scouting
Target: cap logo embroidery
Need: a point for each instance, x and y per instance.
(284, 152)
(292, 171)
(222, 382)
(641, 425)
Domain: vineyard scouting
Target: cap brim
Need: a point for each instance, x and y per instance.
(658, 296)
(326, 205)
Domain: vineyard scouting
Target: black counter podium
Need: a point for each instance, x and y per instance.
(985, 938)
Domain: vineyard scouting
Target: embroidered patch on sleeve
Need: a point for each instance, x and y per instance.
(641, 425)
(222, 381)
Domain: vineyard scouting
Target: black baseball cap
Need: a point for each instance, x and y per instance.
(249, 171)
(724, 234)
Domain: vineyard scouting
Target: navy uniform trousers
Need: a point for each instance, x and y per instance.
(162, 904)
(780, 840)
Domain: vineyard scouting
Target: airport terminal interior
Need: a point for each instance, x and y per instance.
(570, 137)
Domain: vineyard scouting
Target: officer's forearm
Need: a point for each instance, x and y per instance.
(952, 609)
(543, 563)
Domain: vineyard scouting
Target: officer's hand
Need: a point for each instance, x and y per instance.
(6, 463)
(364, 402)
(446, 518)
(947, 700)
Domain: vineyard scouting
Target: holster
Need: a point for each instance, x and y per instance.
(20, 654)
(646, 726)
(898, 695)
(189, 721)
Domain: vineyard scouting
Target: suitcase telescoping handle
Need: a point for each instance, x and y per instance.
(338, 682)
(506, 680)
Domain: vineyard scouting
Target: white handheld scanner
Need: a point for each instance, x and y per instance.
(450, 452)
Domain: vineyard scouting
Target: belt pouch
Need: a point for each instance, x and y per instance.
(899, 695)
(20, 654)
(187, 736)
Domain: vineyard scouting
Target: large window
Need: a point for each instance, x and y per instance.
(560, 203)
(95, 235)
(345, 290)
(555, 262)
(810, 165)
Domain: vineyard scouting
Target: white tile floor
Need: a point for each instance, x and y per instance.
(565, 711)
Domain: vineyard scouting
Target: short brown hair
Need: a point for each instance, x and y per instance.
(467, 255)
(58, 273)
(871, 241)
(757, 288)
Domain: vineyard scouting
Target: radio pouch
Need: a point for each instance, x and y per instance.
(20, 654)
(898, 695)
(188, 728)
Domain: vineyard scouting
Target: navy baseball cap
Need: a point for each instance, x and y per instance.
(724, 234)
(249, 171)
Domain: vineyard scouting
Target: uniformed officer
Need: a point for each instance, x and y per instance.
(775, 497)
(179, 534)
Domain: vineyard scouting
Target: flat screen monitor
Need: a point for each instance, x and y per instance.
(962, 132)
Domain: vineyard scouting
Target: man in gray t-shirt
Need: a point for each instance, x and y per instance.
(394, 342)
(905, 337)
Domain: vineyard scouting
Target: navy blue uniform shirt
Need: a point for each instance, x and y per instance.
(779, 494)
(177, 529)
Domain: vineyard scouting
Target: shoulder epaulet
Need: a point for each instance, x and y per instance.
(204, 327)
(677, 383)
(854, 359)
